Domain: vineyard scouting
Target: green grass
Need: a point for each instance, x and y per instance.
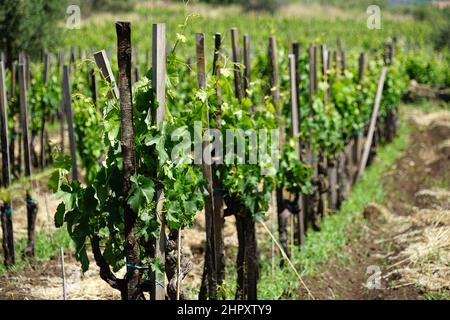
(46, 247)
(337, 230)
(428, 106)
(443, 295)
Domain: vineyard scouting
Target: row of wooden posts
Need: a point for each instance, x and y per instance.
(6, 206)
(9, 160)
(305, 208)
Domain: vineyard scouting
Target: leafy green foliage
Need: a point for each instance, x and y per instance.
(428, 68)
(29, 26)
(172, 191)
(43, 98)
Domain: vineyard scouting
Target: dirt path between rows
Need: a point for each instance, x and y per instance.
(404, 248)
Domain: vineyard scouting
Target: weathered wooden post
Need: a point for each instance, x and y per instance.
(373, 122)
(295, 119)
(72, 57)
(336, 63)
(31, 204)
(251, 246)
(101, 59)
(43, 133)
(245, 225)
(390, 121)
(68, 112)
(314, 71)
(361, 66)
(322, 165)
(5, 209)
(311, 75)
(94, 87)
(218, 197)
(62, 131)
(282, 213)
(247, 70)
(300, 222)
(63, 274)
(128, 148)
(159, 88)
(27, 70)
(236, 58)
(135, 60)
(358, 141)
(313, 200)
(211, 258)
(14, 133)
(324, 59)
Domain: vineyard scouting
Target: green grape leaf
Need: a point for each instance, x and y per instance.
(141, 193)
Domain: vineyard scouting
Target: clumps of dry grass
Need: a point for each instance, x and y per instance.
(434, 198)
(424, 239)
(426, 263)
(422, 120)
(434, 217)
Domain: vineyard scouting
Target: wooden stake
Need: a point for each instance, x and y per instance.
(247, 70)
(336, 64)
(179, 264)
(72, 56)
(274, 71)
(123, 30)
(343, 61)
(211, 256)
(62, 129)
(102, 61)
(4, 128)
(218, 197)
(28, 70)
(361, 66)
(94, 87)
(31, 204)
(296, 52)
(63, 274)
(295, 118)
(324, 57)
(6, 210)
(24, 119)
(46, 67)
(13, 82)
(43, 133)
(300, 224)
(311, 75)
(315, 78)
(68, 111)
(159, 88)
(273, 214)
(294, 104)
(373, 122)
(237, 68)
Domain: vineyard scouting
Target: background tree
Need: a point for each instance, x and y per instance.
(29, 26)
